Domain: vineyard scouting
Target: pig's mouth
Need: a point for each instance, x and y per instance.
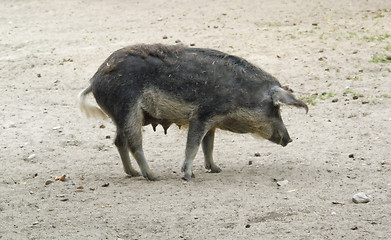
(284, 143)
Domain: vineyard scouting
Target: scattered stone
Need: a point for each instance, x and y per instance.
(248, 225)
(355, 97)
(32, 156)
(334, 100)
(49, 181)
(337, 203)
(178, 41)
(165, 37)
(10, 125)
(105, 184)
(250, 162)
(108, 137)
(70, 184)
(102, 126)
(354, 228)
(60, 178)
(365, 102)
(351, 155)
(360, 198)
(63, 198)
(257, 154)
(282, 183)
(56, 128)
(192, 44)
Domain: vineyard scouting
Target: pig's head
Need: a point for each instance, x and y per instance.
(276, 130)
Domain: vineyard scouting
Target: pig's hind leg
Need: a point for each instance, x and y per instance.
(122, 145)
(134, 139)
(207, 148)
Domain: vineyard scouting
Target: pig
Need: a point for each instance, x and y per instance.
(203, 89)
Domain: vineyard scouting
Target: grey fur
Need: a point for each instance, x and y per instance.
(203, 89)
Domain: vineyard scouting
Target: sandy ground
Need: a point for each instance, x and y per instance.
(332, 53)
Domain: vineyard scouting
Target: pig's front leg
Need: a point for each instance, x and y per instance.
(196, 133)
(207, 148)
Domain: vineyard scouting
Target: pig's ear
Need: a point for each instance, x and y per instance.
(280, 95)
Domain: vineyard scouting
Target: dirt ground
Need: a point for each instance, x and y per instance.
(335, 54)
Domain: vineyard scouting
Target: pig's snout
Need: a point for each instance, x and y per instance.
(285, 142)
(281, 138)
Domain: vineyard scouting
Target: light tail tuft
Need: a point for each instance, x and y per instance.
(89, 109)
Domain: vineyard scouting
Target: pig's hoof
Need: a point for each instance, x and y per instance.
(151, 177)
(133, 173)
(188, 173)
(188, 177)
(213, 168)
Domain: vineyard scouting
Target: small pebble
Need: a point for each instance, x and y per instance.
(10, 125)
(32, 156)
(250, 162)
(49, 181)
(70, 184)
(360, 198)
(282, 183)
(257, 154)
(106, 185)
